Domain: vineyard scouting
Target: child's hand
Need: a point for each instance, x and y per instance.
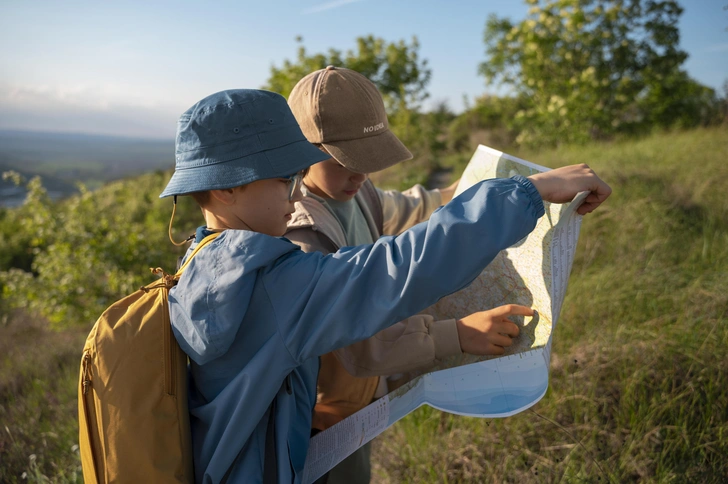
(490, 332)
(562, 184)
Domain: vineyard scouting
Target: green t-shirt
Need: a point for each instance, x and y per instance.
(350, 217)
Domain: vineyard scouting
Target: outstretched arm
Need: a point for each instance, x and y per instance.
(352, 294)
(411, 344)
(419, 341)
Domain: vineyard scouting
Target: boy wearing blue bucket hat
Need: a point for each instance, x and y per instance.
(254, 312)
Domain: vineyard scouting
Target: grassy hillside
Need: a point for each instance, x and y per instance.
(639, 379)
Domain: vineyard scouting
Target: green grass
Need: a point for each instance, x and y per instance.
(38, 410)
(639, 377)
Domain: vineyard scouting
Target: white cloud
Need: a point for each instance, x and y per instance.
(329, 6)
(100, 97)
(102, 109)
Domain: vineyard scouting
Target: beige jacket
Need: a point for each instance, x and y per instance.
(349, 376)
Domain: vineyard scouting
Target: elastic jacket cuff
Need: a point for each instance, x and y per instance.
(445, 335)
(532, 193)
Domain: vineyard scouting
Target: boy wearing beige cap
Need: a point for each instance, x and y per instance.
(342, 112)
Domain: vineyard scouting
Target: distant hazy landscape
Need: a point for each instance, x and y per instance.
(63, 159)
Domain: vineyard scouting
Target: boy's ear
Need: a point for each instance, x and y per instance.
(226, 196)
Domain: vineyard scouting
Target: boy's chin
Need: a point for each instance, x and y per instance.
(281, 232)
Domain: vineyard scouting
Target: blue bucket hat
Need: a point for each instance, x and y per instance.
(232, 138)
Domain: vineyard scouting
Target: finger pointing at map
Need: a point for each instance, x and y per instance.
(489, 332)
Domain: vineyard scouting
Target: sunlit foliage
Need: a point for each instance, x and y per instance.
(590, 69)
(68, 261)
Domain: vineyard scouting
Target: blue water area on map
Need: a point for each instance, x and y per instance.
(493, 388)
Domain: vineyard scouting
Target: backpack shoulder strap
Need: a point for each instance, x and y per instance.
(199, 246)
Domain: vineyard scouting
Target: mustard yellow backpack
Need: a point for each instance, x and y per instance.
(132, 397)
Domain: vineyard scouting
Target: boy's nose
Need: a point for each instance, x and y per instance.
(358, 177)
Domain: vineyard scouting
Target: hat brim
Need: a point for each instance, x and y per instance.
(279, 162)
(370, 154)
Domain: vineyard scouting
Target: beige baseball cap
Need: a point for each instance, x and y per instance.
(343, 111)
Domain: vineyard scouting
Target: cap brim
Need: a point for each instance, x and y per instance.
(370, 154)
(279, 162)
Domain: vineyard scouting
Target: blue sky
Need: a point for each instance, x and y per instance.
(130, 68)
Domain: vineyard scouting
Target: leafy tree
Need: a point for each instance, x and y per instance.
(424, 134)
(677, 100)
(394, 67)
(592, 68)
(81, 254)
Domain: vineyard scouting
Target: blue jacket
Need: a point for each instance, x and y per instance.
(252, 309)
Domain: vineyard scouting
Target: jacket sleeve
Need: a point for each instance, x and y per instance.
(402, 210)
(414, 343)
(322, 303)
